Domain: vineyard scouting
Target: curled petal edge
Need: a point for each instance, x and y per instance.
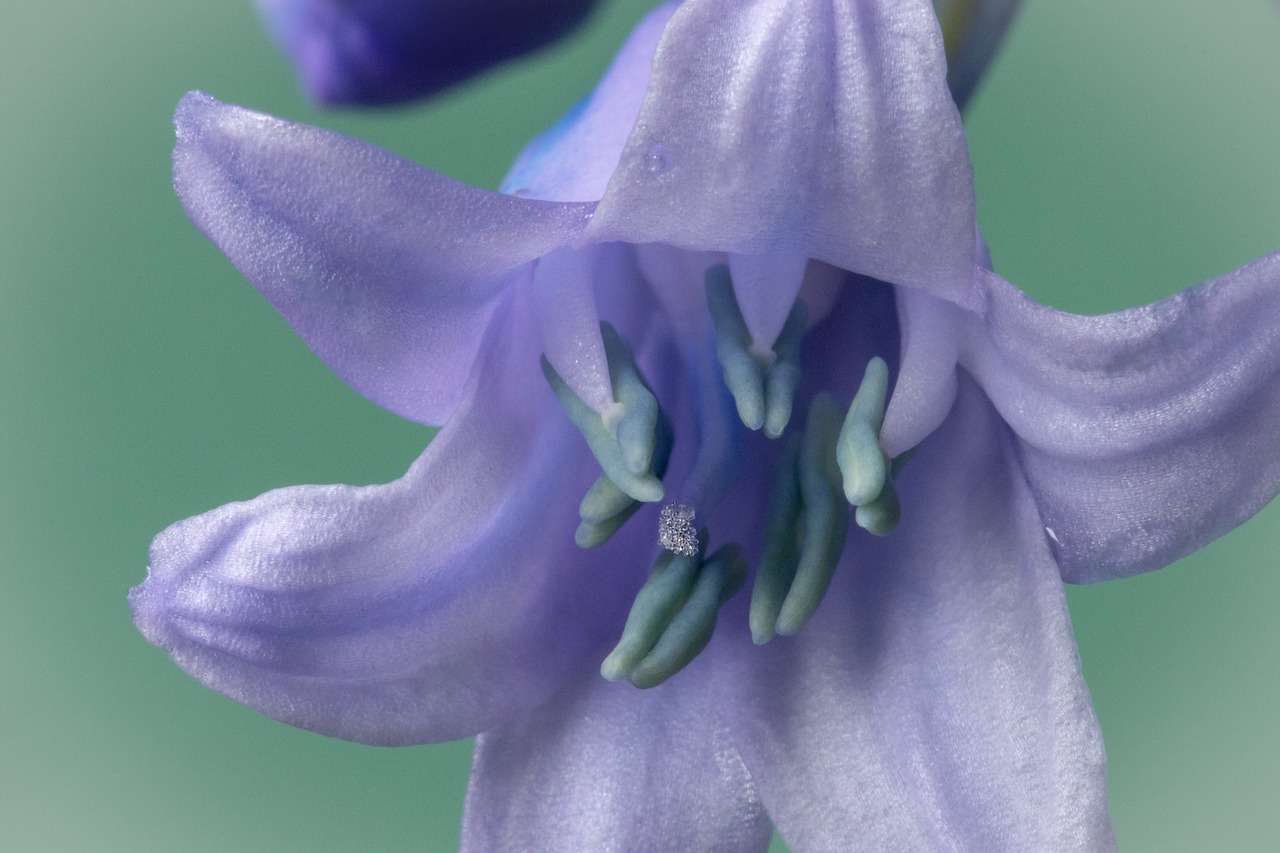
(424, 610)
(388, 271)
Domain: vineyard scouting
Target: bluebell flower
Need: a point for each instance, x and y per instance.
(744, 281)
(972, 31)
(387, 51)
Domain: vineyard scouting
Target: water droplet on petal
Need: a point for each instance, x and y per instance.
(658, 159)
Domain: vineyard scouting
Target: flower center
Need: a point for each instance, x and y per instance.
(833, 463)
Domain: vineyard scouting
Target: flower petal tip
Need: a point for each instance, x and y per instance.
(196, 113)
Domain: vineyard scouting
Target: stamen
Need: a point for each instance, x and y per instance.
(826, 517)
(674, 615)
(763, 382)
(605, 508)
(781, 552)
(604, 500)
(868, 472)
(718, 441)
(637, 428)
(593, 534)
(881, 515)
(743, 373)
(629, 440)
(861, 460)
(784, 378)
(676, 532)
(656, 604)
(808, 522)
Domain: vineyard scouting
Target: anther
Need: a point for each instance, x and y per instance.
(867, 472)
(807, 526)
(763, 382)
(605, 507)
(655, 606)
(674, 615)
(861, 460)
(625, 446)
(784, 378)
(881, 515)
(781, 552)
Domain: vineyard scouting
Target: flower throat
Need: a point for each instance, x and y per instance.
(834, 462)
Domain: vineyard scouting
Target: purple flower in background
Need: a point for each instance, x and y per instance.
(389, 51)
(972, 31)
(386, 51)
(769, 204)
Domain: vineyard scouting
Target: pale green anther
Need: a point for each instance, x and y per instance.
(882, 514)
(868, 474)
(864, 466)
(825, 520)
(784, 377)
(743, 373)
(605, 507)
(620, 450)
(763, 388)
(604, 500)
(808, 524)
(593, 534)
(691, 627)
(639, 420)
(781, 546)
(657, 603)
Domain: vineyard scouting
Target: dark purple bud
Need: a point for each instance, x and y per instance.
(389, 51)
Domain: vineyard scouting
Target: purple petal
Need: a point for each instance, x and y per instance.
(388, 271)
(428, 609)
(605, 766)
(766, 287)
(805, 127)
(925, 387)
(574, 159)
(1144, 434)
(564, 306)
(384, 51)
(935, 702)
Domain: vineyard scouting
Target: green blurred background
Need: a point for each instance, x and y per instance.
(1125, 149)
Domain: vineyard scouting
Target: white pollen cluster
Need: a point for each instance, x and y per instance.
(676, 531)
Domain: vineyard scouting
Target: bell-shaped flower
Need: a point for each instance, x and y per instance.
(744, 282)
(972, 31)
(387, 51)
